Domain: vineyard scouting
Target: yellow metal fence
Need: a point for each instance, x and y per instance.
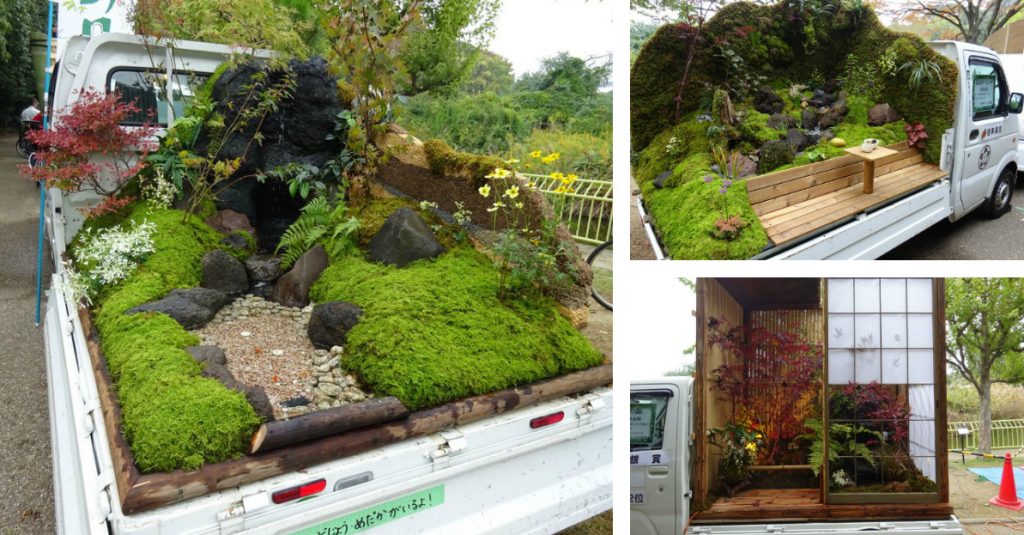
(1006, 434)
(587, 209)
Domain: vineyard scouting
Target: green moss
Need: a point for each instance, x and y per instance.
(854, 134)
(685, 217)
(659, 156)
(447, 161)
(654, 83)
(754, 127)
(372, 215)
(173, 418)
(434, 331)
(696, 166)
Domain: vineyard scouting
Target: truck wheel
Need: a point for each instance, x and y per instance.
(999, 203)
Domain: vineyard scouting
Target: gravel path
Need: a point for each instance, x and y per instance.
(639, 244)
(26, 476)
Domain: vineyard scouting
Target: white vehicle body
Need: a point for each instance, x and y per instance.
(659, 479)
(1013, 66)
(497, 475)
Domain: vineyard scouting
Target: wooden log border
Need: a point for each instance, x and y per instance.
(143, 492)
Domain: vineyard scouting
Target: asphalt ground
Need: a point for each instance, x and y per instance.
(26, 476)
(974, 237)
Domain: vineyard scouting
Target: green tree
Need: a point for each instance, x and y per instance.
(442, 53)
(985, 338)
(490, 73)
(18, 18)
(974, 20)
(563, 91)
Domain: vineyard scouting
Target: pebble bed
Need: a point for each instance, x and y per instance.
(266, 345)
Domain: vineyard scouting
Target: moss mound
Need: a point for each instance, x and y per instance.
(434, 331)
(787, 43)
(173, 418)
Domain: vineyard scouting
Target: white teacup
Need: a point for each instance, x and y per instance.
(869, 145)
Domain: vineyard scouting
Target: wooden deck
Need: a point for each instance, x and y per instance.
(799, 201)
(805, 504)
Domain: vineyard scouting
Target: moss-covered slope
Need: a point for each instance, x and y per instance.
(434, 331)
(172, 417)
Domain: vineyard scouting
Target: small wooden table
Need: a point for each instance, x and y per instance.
(869, 163)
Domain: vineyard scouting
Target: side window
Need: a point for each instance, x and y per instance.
(150, 97)
(988, 89)
(647, 411)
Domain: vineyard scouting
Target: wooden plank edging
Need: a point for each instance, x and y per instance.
(144, 492)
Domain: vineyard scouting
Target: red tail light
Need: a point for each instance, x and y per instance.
(547, 420)
(301, 491)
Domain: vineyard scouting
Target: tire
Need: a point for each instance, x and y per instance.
(605, 248)
(24, 148)
(1002, 193)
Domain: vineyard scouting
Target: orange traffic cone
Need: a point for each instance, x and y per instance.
(1007, 489)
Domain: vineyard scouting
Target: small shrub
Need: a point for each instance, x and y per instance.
(319, 222)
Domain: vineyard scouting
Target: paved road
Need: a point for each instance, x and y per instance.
(26, 480)
(972, 238)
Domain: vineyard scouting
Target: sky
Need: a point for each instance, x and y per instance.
(657, 336)
(530, 30)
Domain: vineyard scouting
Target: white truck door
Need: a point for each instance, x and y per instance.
(659, 429)
(989, 134)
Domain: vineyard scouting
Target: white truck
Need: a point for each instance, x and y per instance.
(534, 469)
(978, 169)
(661, 465)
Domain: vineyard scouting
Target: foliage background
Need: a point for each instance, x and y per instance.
(18, 18)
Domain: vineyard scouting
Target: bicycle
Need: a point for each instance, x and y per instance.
(600, 260)
(24, 146)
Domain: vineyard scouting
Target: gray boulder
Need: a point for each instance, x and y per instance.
(821, 99)
(263, 268)
(880, 114)
(797, 139)
(255, 395)
(207, 355)
(292, 289)
(404, 238)
(330, 323)
(766, 101)
(781, 121)
(662, 180)
(228, 221)
(191, 307)
(224, 272)
(809, 118)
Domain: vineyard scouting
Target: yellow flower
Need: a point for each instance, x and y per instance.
(512, 192)
(511, 161)
(572, 177)
(560, 189)
(551, 158)
(759, 436)
(557, 175)
(499, 173)
(535, 154)
(485, 190)
(751, 447)
(519, 205)
(531, 184)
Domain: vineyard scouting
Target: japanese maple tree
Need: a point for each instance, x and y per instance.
(87, 148)
(773, 382)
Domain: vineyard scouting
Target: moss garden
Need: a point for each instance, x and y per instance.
(439, 318)
(768, 88)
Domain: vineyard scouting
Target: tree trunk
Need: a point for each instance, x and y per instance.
(985, 433)
(282, 433)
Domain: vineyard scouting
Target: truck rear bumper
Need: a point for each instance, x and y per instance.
(929, 527)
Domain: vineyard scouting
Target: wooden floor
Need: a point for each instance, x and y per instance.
(800, 201)
(801, 504)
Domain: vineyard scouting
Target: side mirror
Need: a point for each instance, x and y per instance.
(1016, 103)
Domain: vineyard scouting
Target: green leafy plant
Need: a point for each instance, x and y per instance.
(319, 223)
(739, 446)
(845, 440)
(920, 72)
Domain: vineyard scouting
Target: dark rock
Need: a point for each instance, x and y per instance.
(330, 323)
(821, 99)
(224, 272)
(228, 221)
(297, 401)
(292, 289)
(880, 114)
(827, 135)
(191, 307)
(263, 289)
(812, 139)
(404, 238)
(833, 115)
(830, 86)
(809, 118)
(746, 166)
(238, 198)
(781, 121)
(221, 373)
(766, 101)
(263, 268)
(235, 241)
(797, 139)
(207, 355)
(774, 154)
(661, 179)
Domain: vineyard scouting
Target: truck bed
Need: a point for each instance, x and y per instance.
(773, 504)
(799, 202)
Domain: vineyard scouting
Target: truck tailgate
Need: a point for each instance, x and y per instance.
(869, 235)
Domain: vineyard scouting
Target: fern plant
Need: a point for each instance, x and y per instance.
(843, 442)
(318, 223)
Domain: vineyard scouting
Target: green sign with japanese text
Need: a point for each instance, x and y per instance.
(373, 516)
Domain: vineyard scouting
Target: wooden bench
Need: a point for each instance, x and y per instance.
(799, 201)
